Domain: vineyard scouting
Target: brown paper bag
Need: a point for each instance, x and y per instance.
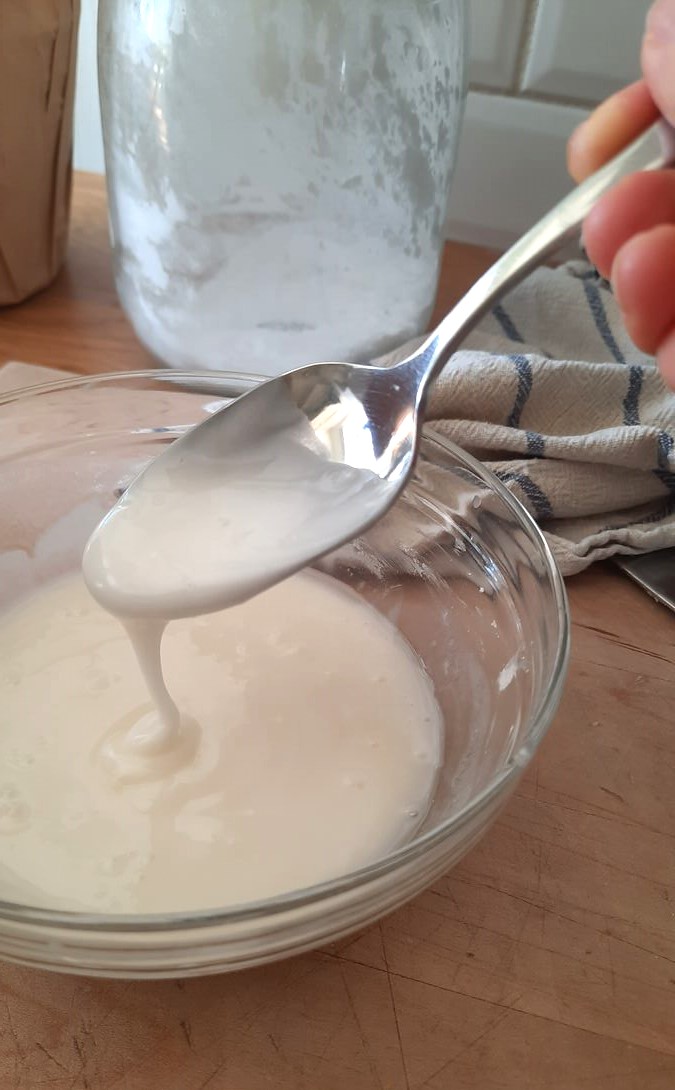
(38, 43)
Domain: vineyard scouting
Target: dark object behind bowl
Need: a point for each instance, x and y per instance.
(654, 572)
(38, 49)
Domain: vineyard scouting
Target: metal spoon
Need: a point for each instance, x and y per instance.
(342, 438)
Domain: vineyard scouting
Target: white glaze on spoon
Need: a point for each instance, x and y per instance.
(185, 540)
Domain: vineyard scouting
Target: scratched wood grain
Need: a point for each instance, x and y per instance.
(545, 960)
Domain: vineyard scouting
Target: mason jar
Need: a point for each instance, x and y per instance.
(278, 172)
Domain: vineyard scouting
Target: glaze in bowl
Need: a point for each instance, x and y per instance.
(458, 566)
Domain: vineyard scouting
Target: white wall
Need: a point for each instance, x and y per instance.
(88, 151)
(537, 66)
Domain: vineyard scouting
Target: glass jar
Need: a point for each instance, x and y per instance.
(278, 172)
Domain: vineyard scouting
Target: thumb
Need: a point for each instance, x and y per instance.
(658, 56)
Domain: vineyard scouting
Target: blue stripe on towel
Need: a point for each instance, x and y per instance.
(631, 402)
(507, 324)
(665, 444)
(524, 372)
(660, 515)
(535, 444)
(590, 274)
(538, 498)
(597, 309)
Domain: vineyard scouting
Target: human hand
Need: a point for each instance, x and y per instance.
(630, 234)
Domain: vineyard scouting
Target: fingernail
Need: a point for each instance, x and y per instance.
(661, 23)
(615, 278)
(575, 141)
(575, 156)
(658, 56)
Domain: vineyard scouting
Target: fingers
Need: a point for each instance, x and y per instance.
(658, 56)
(642, 278)
(630, 234)
(621, 118)
(610, 128)
(635, 205)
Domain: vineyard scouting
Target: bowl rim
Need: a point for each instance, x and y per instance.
(313, 896)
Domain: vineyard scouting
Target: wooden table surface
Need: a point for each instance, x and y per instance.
(545, 961)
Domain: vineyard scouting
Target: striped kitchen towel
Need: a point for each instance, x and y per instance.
(551, 394)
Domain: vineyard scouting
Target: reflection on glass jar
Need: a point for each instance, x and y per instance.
(278, 172)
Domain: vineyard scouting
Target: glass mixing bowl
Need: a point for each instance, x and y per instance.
(458, 566)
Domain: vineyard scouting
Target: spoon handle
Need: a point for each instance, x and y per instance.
(653, 150)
